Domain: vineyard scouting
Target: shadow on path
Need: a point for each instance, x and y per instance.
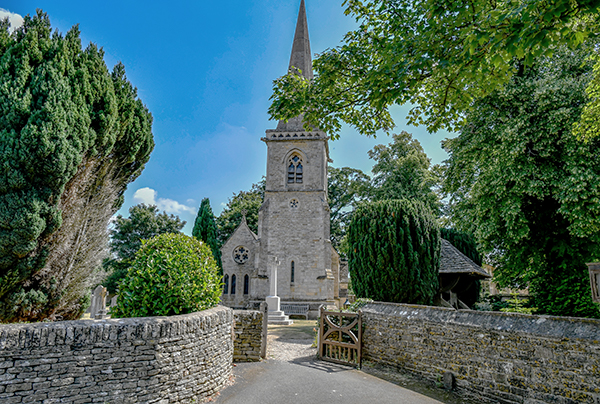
(292, 374)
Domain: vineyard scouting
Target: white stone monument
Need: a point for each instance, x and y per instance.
(276, 316)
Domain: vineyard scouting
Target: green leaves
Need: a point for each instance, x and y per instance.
(437, 56)
(394, 252)
(527, 188)
(72, 136)
(171, 274)
(205, 229)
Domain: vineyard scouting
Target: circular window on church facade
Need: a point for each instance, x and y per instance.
(294, 203)
(241, 254)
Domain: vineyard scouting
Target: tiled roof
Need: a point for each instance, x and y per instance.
(453, 261)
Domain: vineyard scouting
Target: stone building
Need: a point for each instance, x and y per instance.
(293, 229)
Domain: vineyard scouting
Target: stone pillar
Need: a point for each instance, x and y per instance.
(264, 308)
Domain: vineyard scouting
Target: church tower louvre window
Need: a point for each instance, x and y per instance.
(295, 170)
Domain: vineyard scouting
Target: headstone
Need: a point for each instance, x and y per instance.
(98, 310)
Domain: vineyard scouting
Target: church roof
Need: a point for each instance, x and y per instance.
(301, 59)
(453, 261)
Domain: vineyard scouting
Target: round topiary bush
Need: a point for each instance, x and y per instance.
(171, 274)
(394, 252)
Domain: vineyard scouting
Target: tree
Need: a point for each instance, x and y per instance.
(231, 217)
(438, 56)
(205, 229)
(126, 236)
(528, 188)
(402, 171)
(346, 186)
(394, 252)
(72, 137)
(171, 274)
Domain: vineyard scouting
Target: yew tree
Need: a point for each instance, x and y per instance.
(72, 136)
(527, 187)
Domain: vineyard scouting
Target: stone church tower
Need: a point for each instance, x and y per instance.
(293, 229)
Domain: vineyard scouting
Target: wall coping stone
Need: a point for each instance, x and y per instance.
(546, 326)
(30, 335)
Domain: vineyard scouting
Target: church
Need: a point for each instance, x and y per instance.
(294, 219)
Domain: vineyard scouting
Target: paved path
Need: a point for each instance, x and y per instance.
(292, 374)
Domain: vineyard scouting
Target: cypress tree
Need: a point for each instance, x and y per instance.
(394, 252)
(205, 229)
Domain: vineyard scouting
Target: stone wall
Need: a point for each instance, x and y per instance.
(177, 359)
(247, 345)
(495, 357)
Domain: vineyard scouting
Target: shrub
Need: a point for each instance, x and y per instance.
(394, 252)
(171, 274)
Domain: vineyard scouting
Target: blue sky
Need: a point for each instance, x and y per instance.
(205, 70)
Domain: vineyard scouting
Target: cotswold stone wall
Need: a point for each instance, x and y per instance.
(496, 357)
(248, 335)
(177, 359)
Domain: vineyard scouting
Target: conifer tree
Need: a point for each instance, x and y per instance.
(205, 229)
(72, 136)
(394, 252)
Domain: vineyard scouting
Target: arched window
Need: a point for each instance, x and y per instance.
(233, 284)
(246, 284)
(292, 274)
(294, 171)
(226, 285)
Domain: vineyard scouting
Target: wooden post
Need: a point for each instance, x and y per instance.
(359, 359)
(319, 341)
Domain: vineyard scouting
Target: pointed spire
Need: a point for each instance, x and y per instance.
(301, 57)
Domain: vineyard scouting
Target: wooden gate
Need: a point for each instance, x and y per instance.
(340, 337)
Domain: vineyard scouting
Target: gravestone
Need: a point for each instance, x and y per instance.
(98, 308)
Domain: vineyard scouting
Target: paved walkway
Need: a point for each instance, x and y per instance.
(292, 374)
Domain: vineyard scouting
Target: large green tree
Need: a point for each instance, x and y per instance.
(72, 136)
(394, 253)
(527, 187)
(436, 55)
(144, 222)
(205, 229)
(402, 170)
(346, 186)
(231, 216)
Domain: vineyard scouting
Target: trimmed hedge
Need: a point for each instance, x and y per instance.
(394, 252)
(171, 274)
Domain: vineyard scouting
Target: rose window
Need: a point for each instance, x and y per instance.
(241, 255)
(294, 203)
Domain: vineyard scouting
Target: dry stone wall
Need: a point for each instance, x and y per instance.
(247, 345)
(495, 357)
(179, 359)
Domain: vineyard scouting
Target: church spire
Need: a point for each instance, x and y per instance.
(301, 57)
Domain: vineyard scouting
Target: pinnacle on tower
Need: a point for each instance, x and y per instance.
(301, 57)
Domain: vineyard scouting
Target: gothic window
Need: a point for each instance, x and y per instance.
(292, 274)
(233, 284)
(246, 284)
(295, 171)
(226, 285)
